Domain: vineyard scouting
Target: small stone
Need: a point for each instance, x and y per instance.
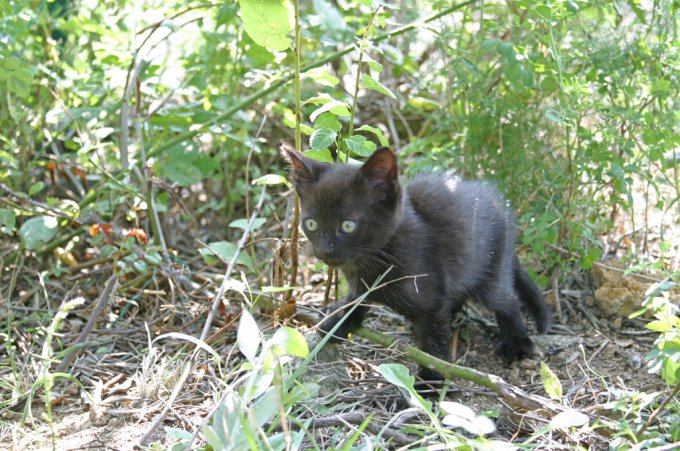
(634, 360)
(590, 301)
(617, 323)
(528, 364)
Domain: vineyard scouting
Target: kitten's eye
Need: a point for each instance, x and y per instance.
(348, 226)
(310, 224)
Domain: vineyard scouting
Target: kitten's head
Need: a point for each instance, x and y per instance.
(347, 211)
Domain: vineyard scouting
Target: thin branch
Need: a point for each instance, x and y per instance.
(658, 410)
(102, 302)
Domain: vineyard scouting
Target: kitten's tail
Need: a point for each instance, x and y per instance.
(532, 297)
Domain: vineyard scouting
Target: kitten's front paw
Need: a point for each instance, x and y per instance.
(515, 348)
(330, 320)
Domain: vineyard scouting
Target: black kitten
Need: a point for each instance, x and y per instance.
(459, 234)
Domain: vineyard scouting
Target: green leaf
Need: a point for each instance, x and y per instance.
(17, 75)
(291, 341)
(37, 231)
(271, 179)
(591, 257)
(8, 221)
(659, 326)
(371, 83)
(373, 64)
(226, 251)
(322, 77)
(35, 188)
(359, 145)
(549, 84)
(268, 22)
(243, 223)
(670, 371)
(399, 375)
(273, 289)
(328, 120)
(554, 116)
(334, 106)
(421, 103)
(551, 383)
(377, 132)
(322, 138)
(323, 155)
(303, 392)
(248, 336)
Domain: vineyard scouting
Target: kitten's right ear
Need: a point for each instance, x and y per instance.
(305, 170)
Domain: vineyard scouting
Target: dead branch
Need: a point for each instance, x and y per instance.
(103, 301)
(515, 397)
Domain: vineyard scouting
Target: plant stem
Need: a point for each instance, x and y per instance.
(295, 226)
(446, 369)
(357, 83)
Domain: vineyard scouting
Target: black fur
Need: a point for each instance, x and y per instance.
(459, 234)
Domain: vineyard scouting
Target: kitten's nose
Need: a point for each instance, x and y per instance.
(326, 247)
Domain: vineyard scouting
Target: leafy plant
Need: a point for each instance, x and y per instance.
(258, 399)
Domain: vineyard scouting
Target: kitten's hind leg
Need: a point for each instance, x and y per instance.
(514, 341)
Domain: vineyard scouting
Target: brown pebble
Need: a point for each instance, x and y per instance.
(528, 364)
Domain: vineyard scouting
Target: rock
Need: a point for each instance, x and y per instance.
(616, 323)
(634, 360)
(617, 295)
(528, 364)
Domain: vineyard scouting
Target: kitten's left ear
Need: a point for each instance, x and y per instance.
(304, 169)
(380, 170)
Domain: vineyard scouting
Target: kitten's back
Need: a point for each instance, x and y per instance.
(443, 197)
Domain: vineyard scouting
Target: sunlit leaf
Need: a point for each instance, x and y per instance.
(334, 106)
(291, 341)
(377, 132)
(7, 221)
(399, 375)
(322, 77)
(371, 83)
(268, 22)
(37, 231)
(421, 103)
(248, 336)
(461, 416)
(271, 179)
(551, 382)
(568, 418)
(243, 223)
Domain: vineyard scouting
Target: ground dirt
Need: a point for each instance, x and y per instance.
(598, 359)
